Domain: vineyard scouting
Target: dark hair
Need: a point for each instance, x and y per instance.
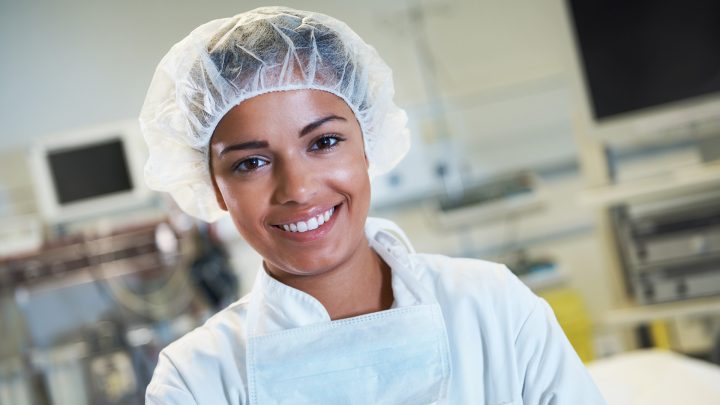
(240, 51)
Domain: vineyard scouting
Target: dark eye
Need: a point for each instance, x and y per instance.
(326, 142)
(250, 164)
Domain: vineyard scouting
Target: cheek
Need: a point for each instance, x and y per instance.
(247, 221)
(243, 209)
(352, 178)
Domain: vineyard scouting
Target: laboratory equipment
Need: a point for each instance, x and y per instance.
(86, 173)
(15, 382)
(671, 247)
(655, 72)
(493, 199)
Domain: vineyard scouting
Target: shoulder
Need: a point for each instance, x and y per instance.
(489, 290)
(203, 360)
(222, 332)
(471, 276)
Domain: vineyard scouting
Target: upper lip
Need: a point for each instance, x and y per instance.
(304, 215)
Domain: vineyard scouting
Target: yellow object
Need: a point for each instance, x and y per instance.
(660, 334)
(574, 319)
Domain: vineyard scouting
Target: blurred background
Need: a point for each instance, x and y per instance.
(575, 141)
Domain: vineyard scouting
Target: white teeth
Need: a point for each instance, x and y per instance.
(311, 224)
(302, 226)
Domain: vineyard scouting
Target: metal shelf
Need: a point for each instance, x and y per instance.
(673, 183)
(644, 314)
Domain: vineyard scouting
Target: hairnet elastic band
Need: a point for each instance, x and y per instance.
(289, 87)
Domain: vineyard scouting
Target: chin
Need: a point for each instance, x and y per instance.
(307, 266)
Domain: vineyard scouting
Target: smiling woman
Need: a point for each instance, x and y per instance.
(301, 154)
(279, 117)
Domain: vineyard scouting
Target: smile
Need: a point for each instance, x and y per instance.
(309, 224)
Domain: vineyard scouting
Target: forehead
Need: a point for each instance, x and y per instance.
(281, 112)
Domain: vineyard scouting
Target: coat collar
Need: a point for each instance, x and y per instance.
(281, 307)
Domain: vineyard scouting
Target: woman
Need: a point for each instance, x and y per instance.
(279, 117)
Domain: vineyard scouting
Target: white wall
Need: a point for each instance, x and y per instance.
(72, 63)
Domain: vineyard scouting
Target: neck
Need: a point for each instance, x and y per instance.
(360, 285)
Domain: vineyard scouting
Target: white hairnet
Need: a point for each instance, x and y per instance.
(226, 61)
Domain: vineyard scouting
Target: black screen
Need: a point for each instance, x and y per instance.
(643, 53)
(89, 171)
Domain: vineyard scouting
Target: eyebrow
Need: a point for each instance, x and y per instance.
(263, 144)
(245, 146)
(315, 124)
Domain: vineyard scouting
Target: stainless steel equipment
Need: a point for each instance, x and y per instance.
(15, 383)
(671, 248)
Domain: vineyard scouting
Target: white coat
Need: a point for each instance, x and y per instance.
(506, 346)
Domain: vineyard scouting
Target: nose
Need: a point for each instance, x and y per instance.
(295, 182)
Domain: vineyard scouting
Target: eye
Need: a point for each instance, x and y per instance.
(250, 164)
(325, 142)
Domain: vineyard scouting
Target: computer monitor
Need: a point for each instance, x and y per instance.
(647, 67)
(87, 173)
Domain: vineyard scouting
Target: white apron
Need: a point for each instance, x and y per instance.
(398, 356)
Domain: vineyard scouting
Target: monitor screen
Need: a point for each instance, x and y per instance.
(643, 53)
(89, 171)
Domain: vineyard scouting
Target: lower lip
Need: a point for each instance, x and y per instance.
(310, 236)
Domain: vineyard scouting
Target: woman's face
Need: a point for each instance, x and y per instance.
(291, 170)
